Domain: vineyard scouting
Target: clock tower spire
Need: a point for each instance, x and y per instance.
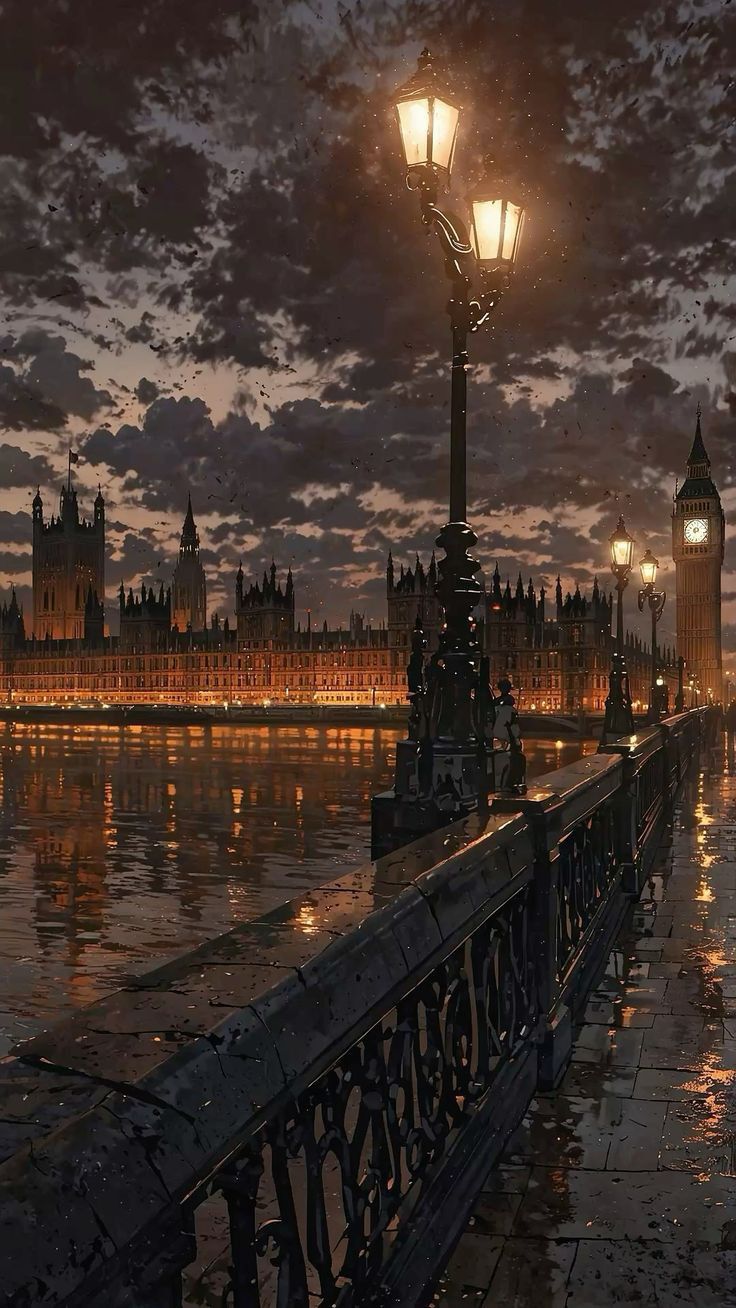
(698, 538)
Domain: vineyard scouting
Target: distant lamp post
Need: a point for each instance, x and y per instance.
(656, 600)
(619, 718)
(680, 697)
(451, 698)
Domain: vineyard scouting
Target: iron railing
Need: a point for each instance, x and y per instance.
(302, 1112)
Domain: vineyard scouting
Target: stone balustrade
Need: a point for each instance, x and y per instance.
(302, 1111)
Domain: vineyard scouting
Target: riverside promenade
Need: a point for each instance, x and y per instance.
(620, 1186)
(306, 1110)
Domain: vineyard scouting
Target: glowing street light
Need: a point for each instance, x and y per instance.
(622, 551)
(428, 116)
(496, 229)
(648, 569)
(656, 600)
(450, 733)
(619, 718)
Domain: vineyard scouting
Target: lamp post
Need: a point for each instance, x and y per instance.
(447, 749)
(656, 600)
(619, 718)
(680, 697)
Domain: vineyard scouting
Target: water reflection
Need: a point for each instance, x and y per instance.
(122, 846)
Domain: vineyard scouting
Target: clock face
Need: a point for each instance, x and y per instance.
(696, 531)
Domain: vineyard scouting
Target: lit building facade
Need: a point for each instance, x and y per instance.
(189, 584)
(560, 661)
(68, 566)
(698, 541)
(165, 653)
(410, 594)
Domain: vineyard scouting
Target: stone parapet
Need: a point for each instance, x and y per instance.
(331, 1080)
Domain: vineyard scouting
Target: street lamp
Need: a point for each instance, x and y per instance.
(656, 600)
(451, 696)
(496, 228)
(680, 697)
(619, 718)
(428, 117)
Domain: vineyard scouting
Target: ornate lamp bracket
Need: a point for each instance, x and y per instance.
(467, 313)
(656, 600)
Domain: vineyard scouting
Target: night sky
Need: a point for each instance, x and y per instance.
(213, 278)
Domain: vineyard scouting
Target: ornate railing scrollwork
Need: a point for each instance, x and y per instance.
(586, 870)
(649, 792)
(226, 1187)
(324, 1191)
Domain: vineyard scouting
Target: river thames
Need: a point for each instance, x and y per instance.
(121, 847)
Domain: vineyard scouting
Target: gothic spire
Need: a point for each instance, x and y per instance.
(189, 536)
(698, 453)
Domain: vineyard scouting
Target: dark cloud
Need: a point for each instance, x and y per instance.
(19, 468)
(234, 198)
(15, 526)
(146, 391)
(330, 489)
(47, 384)
(22, 408)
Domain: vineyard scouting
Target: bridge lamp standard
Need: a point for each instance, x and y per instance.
(680, 696)
(656, 600)
(451, 697)
(619, 718)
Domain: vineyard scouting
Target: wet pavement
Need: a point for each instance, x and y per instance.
(620, 1186)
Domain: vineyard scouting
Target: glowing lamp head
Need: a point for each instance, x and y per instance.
(496, 228)
(648, 569)
(622, 548)
(428, 119)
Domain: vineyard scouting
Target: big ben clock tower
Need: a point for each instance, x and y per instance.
(698, 531)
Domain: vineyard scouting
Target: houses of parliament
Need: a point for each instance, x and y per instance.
(556, 650)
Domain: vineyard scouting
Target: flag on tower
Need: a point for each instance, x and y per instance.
(73, 456)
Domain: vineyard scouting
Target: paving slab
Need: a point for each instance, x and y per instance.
(664, 1205)
(620, 1186)
(640, 1272)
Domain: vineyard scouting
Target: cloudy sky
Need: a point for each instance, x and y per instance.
(213, 278)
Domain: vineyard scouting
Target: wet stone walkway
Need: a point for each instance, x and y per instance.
(620, 1187)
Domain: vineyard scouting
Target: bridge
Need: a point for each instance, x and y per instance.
(371, 1096)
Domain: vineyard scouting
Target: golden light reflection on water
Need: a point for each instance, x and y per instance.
(307, 920)
(121, 846)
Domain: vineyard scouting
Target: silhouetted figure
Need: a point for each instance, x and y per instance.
(506, 730)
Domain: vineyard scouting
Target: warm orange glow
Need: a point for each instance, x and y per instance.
(622, 551)
(648, 569)
(428, 128)
(497, 227)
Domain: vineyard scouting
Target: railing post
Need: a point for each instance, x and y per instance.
(626, 805)
(627, 845)
(543, 811)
